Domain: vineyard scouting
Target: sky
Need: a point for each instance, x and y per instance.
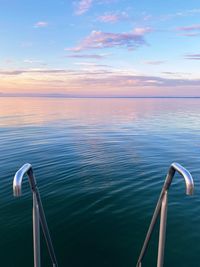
(100, 48)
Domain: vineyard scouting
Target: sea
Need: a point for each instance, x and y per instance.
(100, 164)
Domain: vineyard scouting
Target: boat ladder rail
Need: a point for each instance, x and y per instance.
(38, 214)
(161, 209)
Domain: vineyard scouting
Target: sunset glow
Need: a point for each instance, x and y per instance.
(95, 48)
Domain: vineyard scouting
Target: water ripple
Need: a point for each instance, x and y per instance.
(100, 172)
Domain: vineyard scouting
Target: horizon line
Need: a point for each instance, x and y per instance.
(72, 96)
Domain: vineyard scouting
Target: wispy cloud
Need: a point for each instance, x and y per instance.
(109, 77)
(149, 81)
(107, 1)
(113, 17)
(96, 80)
(176, 74)
(32, 61)
(99, 40)
(45, 71)
(91, 66)
(189, 28)
(41, 24)
(91, 56)
(192, 56)
(181, 13)
(192, 30)
(10, 72)
(82, 6)
(154, 62)
(190, 12)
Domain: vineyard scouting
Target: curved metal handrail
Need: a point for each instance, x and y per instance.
(38, 213)
(17, 182)
(162, 206)
(189, 184)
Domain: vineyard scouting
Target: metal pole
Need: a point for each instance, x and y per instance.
(163, 221)
(46, 230)
(151, 228)
(36, 232)
(42, 217)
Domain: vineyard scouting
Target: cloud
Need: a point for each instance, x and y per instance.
(183, 13)
(142, 31)
(96, 81)
(83, 6)
(41, 24)
(107, 1)
(99, 40)
(149, 81)
(113, 17)
(186, 13)
(154, 62)
(92, 64)
(193, 30)
(47, 71)
(193, 56)
(91, 56)
(12, 72)
(32, 61)
(147, 17)
(177, 74)
(105, 76)
(189, 28)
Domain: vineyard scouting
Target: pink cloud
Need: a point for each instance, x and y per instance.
(113, 17)
(99, 40)
(142, 31)
(96, 81)
(189, 28)
(41, 24)
(83, 6)
(193, 30)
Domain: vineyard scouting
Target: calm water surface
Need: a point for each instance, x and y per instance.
(100, 165)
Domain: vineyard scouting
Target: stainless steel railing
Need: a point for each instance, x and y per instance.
(38, 214)
(161, 208)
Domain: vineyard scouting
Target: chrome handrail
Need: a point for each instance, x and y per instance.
(161, 208)
(38, 214)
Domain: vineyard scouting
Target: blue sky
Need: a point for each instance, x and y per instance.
(100, 47)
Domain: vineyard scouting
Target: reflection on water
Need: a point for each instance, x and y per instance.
(29, 111)
(100, 164)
